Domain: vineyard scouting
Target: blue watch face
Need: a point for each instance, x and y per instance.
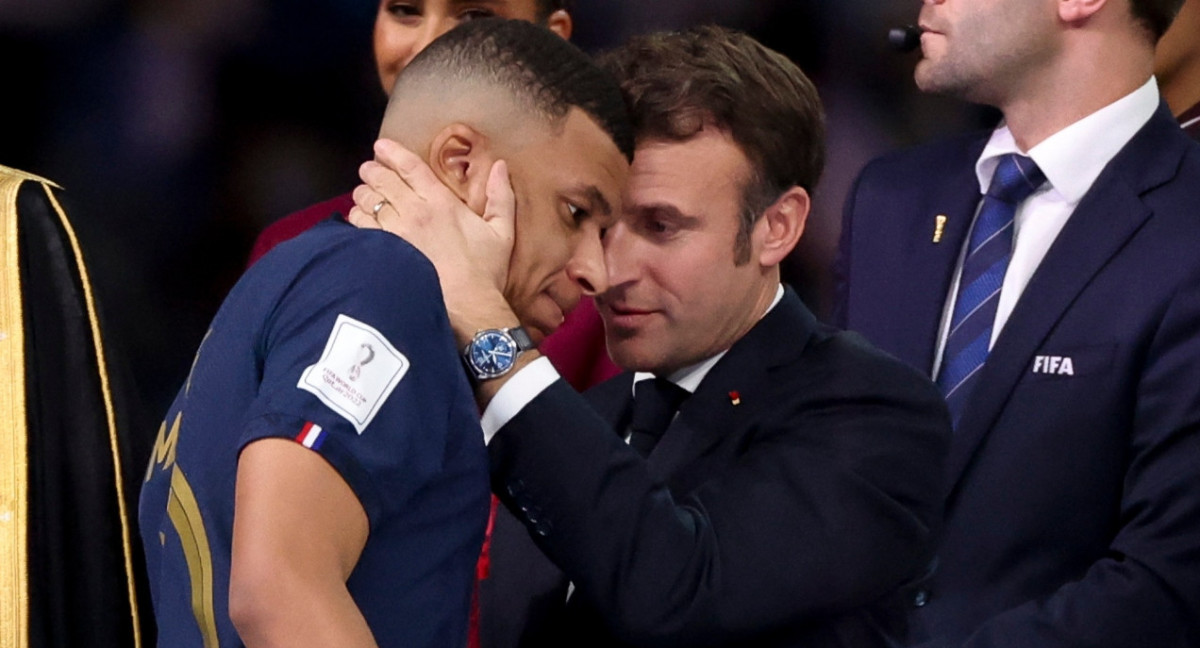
(492, 353)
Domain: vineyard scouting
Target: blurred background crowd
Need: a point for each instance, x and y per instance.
(180, 129)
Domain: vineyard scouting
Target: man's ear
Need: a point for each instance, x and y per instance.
(560, 23)
(461, 158)
(1077, 11)
(782, 225)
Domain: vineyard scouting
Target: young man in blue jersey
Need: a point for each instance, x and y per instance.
(321, 478)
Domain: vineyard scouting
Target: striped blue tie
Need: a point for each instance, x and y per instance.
(982, 277)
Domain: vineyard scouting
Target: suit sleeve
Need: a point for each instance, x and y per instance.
(819, 515)
(1146, 590)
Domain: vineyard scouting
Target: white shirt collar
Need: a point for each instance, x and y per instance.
(1073, 157)
(689, 377)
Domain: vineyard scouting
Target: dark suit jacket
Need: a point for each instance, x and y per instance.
(1073, 515)
(794, 495)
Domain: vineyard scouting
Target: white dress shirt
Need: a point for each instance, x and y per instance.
(1072, 159)
(534, 378)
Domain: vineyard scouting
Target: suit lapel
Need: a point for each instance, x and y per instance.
(735, 387)
(1106, 219)
(929, 265)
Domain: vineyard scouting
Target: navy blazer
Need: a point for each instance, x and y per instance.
(1073, 515)
(793, 497)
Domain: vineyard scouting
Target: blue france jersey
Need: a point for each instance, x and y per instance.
(339, 340)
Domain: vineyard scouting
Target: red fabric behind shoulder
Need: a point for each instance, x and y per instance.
(295, 224)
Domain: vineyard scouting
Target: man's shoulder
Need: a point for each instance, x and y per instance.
(297, 223)
(1162, 165)
(928, 160)
(336, 251)
(838, 346)
(33, 193)
(835, 361)
(10, 175)
(848, 348)
(804, 356)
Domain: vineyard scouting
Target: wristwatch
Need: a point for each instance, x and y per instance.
(493, 352)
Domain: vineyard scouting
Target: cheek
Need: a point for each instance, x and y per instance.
(527, 269)
(696, 268)
(392, 48)
(673, 287)
(551, 244)
(550, 267)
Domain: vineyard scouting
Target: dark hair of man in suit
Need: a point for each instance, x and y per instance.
(676, 83)
(547, 74)
(1155, 15)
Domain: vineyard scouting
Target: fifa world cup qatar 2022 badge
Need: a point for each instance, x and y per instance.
(357, 371)
(366, 356)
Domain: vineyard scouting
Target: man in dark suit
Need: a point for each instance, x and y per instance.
(794, 495)
(1073, 511)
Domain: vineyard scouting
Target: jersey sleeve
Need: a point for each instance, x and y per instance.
(358, 364)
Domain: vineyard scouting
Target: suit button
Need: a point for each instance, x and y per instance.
(921, 598)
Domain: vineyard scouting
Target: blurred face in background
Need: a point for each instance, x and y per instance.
(405, 27)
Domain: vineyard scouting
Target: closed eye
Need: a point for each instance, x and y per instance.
(663, 222)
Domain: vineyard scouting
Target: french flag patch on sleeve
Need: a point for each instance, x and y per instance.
(311, 436)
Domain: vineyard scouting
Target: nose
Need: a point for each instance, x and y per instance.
(619, 255)
(587, 267)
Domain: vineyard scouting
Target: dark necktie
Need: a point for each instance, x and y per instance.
(982, 277)
(655, 402)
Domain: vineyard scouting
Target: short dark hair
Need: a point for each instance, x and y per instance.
(547, 7)
(538, 67)
(1155, 15)
(677, 83)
